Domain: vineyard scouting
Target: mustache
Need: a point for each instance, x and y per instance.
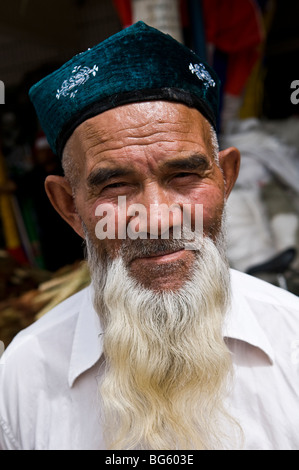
(132, 249)
(143, 246)
(148, 247)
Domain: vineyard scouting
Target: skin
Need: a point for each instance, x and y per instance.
(160, 153)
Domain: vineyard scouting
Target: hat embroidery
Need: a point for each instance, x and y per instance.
(202, 73)
(70, 87)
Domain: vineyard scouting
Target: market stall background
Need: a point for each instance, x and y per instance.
(254, 47)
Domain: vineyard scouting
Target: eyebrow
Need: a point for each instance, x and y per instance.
(102, 175)
(194, 162)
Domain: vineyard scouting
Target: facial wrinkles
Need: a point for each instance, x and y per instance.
(139, 125)
(143, 143)
(152, 147)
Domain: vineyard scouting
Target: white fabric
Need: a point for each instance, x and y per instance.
(284, 229)
(49, 374)
(265, 158)
(249, 241)
(262, 153)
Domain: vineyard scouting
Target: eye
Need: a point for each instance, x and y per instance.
(116, 189)
(115, 185)
(183, 175)
(184, 180)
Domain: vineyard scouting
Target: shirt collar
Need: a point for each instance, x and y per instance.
(87, 349)
(87, 344)
(241, 323)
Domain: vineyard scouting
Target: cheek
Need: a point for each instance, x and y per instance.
(212, 203)
(104, 222)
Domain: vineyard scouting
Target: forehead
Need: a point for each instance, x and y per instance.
(138, 128)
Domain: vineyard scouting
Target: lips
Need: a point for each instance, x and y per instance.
(149, 250)
(161, 253)
(161, 256)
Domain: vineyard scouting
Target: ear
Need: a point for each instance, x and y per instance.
(60, 194)
(229, 160)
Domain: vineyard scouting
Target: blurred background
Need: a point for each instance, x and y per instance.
(254, 47)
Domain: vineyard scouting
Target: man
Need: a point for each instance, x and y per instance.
(166, 349)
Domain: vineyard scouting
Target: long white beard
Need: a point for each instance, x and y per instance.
(167, 367)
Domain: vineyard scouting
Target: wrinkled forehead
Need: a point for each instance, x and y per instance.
(138, 124)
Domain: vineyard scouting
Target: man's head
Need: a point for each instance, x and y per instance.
(161, 305)
(151, 153)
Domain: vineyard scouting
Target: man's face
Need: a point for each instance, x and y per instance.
(152, 153)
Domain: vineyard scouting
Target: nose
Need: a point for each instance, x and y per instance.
(155, 212)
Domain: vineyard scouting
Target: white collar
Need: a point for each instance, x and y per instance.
(241, 323)
(87, 343)
(87, 347)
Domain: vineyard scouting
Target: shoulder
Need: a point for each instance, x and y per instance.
(33, 368)
(56, 323)
(264, 292)
(276, 310)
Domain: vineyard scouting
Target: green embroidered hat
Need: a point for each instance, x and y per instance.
(139, 63)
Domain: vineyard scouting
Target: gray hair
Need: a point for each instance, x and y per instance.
(71, 168)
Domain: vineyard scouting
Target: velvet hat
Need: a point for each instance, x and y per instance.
(140, 63)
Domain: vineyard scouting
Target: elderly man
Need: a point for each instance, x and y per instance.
(168, 348)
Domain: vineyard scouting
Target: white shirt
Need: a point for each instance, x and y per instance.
(49, 374)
